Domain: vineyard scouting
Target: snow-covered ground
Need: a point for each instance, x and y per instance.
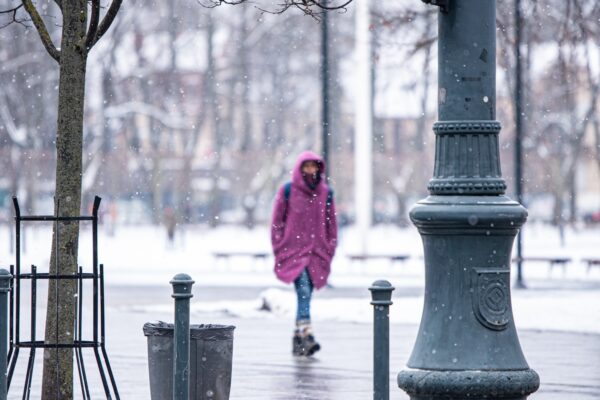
(558, 299)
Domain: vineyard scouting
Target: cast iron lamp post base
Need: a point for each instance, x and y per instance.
(468, 385)
(467, 346)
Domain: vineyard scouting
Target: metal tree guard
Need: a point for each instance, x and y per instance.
(98, 342)
(5, 278)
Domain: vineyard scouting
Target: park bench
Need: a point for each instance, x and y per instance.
(392, 258)
(552, 261)
(225, 256)
(591, 262)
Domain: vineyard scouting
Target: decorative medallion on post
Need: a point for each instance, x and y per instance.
(467, 346)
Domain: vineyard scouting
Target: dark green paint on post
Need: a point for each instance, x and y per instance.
(467, 346)
(182, 292)
(381, 299)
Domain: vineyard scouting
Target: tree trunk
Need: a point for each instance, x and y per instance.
(597, 137)
(557, 187)
(187, 193)
(58, 365)
(572, 190)
(557, 210)
(246, 123)
(401, 220)
(156, 182)
(212, 102)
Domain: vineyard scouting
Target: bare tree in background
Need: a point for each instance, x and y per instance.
(560, 102)
(27, 108)
(310, 7)
(403, 171)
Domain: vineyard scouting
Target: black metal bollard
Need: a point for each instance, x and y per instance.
(5, 278)
(182, 292)
(381, 295)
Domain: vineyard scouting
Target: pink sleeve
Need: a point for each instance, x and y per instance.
(278, 218)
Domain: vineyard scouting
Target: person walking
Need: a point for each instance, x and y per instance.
(170, 220)
(304, 239)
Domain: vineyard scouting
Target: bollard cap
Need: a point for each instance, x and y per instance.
(381, 293)
(182, 286)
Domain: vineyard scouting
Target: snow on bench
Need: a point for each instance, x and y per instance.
(254, 255)
(552, 261)
(591, 262)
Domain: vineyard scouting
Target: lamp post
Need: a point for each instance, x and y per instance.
(363, 125)
(467, 346)
(325, 86)
(519, 283)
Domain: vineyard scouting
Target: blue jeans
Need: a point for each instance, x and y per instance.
(304, 288)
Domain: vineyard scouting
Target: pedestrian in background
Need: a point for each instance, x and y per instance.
(304, 238)
(170, 220)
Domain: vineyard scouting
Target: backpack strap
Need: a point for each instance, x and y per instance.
(329, 201)
(286, 190)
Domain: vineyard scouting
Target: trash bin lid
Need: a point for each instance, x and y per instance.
(202, 331)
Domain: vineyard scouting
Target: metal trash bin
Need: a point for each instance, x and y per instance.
(211, 352)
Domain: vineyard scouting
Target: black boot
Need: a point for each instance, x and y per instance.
(310, 345)
(297, 346)
(304, 343)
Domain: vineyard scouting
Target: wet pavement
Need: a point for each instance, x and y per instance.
(568, 363)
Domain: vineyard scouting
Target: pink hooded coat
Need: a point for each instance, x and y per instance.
(304, 228)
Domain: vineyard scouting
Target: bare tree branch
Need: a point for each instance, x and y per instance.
(94, 20)
(304, 4)
(310, 7)
(216, 3)
(106, 22)
(38, 22)
(135, 107)
(14, 18)
(11, 10)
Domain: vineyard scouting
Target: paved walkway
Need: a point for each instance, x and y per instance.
(569, 364)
